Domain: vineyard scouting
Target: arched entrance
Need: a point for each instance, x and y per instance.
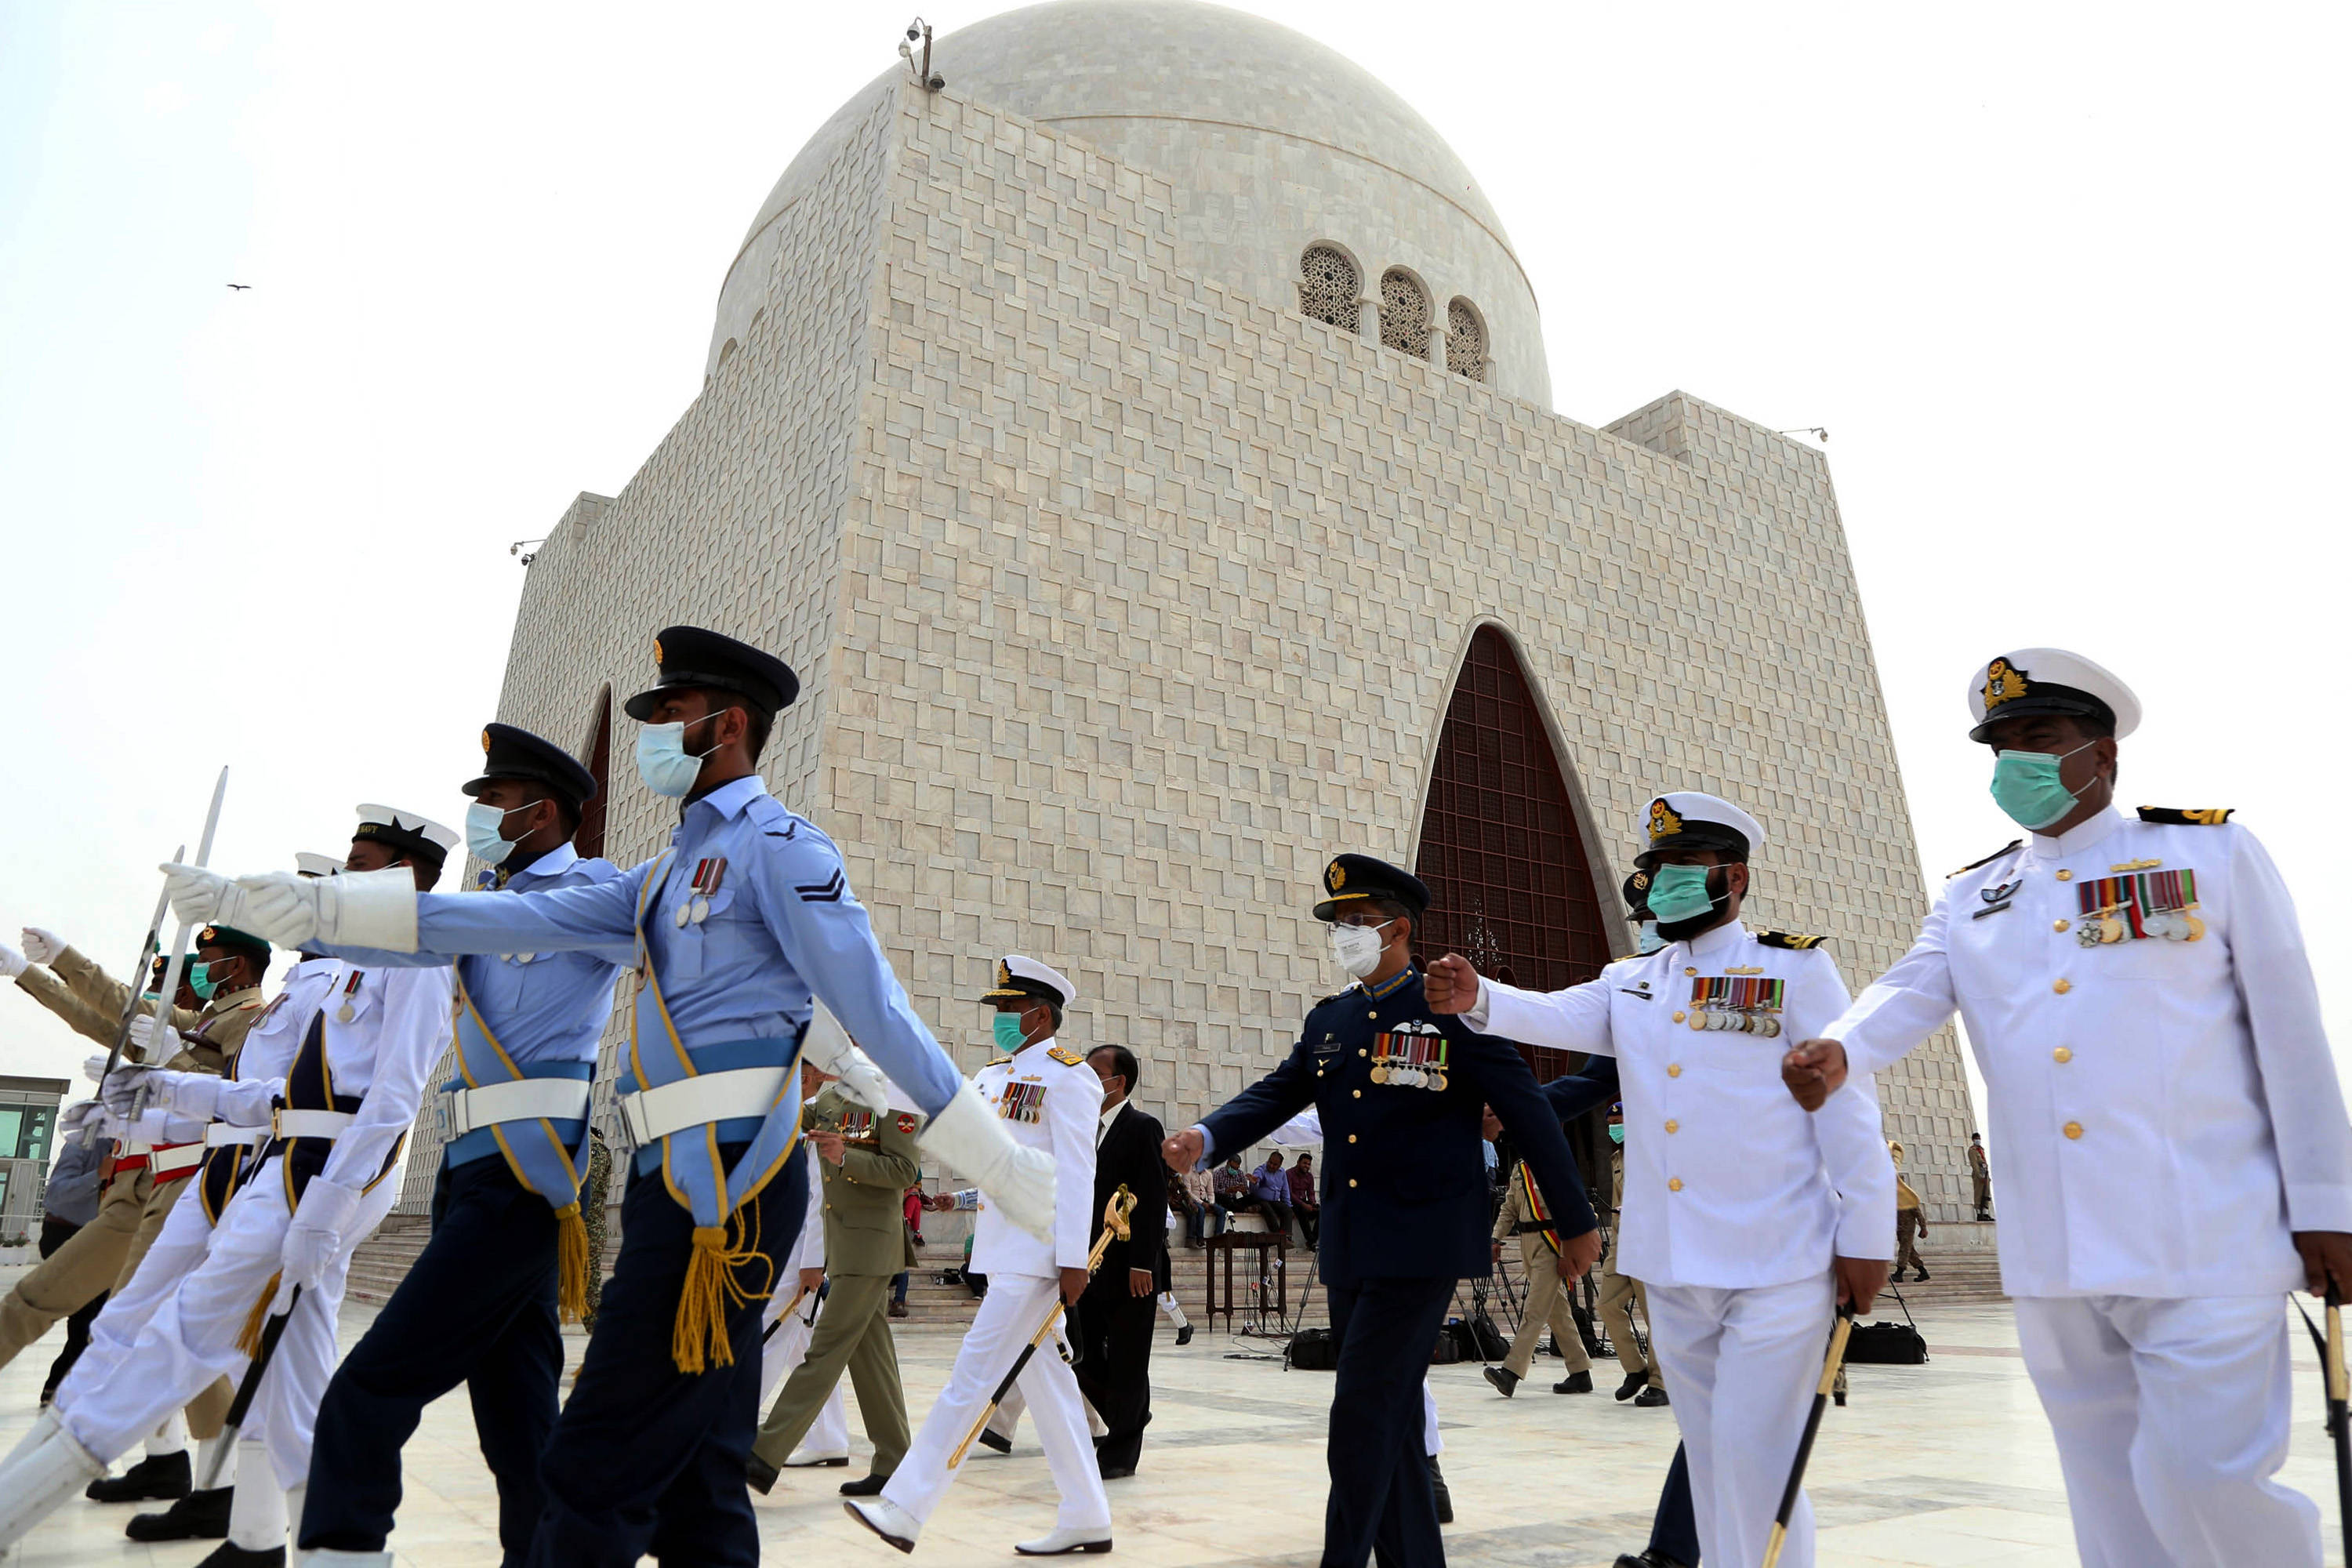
(1499, 846)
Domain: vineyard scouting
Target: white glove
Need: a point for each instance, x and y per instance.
(94, 1068)
(125, 1090)
(827, 1046)
(42, 946)
(202, 897)
(195, 1095)
(140, 1045)
(313, 1236)
(12, 962)
(967, 1137)
(80, 1114)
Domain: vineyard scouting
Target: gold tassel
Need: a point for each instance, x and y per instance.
(248, 1338)
(699, 1338)
(572, 1264)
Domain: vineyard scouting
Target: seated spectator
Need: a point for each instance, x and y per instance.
(1304, 1200)
(1233, 1187)
(1193, 1195)
(1270, 1188)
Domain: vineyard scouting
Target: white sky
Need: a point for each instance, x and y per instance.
(2066, 284)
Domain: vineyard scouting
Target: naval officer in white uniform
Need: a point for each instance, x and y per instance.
(1048, 1098)
(1750, 1221)
(2166, 1122)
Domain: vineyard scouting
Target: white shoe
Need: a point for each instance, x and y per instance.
(327, 1557)
(802, 1459)
(1065, 1539)
(887, 1519)
(38, 1478)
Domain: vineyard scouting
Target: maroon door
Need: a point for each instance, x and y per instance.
(1499, 849)
(590, 839)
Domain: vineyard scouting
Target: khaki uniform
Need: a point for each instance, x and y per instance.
(1981, 1179)
(103, 1255)
(1548, 1294)
(866, 1243)
(1620, 1293)
(1910, 1223)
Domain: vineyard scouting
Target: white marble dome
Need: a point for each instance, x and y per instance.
(1274, 143)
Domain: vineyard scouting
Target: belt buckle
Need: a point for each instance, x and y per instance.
(275, 1112)
(633, 1116)
(449, 1110)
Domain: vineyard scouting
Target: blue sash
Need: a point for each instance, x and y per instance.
(545, 1154)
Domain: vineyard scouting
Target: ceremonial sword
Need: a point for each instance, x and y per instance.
(2339, 1401)
(1115, 1212)
(231, 1425)
(88, 1135)
(1829, 1365)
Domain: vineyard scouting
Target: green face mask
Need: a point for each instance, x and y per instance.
(1679, 893)
(203, 981)
(1010, 1035)
(1616, 1133)
(2026, 786)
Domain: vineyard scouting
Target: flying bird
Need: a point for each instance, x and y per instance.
(240, 285)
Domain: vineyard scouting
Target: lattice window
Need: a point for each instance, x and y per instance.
(590, 839)
(1329, 286)
(1466, 342)
(1404, 313)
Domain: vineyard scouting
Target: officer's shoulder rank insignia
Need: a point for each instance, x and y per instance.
(1788, 939)
(1067, 1056)
(2175, 816)
(1987, 859)
(996, 1062)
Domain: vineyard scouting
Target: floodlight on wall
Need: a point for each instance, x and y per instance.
(919, 32)
(1815, 431)
(515, 550)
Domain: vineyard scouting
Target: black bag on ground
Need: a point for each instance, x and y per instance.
(1888, 1344)
(1448, 1348)
(1311, 1350)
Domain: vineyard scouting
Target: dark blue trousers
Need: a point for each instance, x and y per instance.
(1674, 1532)
(478, 1308)
(1381, 1507)
(647, 1459)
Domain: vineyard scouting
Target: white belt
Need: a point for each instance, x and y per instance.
(221, 1133)
(132, 1148)
(171, 1161)
(520, 1099)
(709, 1097)
(309, 1124)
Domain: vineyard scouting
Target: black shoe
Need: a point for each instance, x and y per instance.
(1839, 1394)
(1444, 1497)
(1116, 1472)
(1505, 1380)
(1184, 1335)
(1634, 1383)
(988, 1439)
(229, 1555)
(1922, 1276)
(760, 1474)
(864, 1486)
(1574, 1382)
(161, 1475)
(199, 1516)
(1651, 1398)
(1652, 1558)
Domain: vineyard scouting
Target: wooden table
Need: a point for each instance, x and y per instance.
(1273, 1272)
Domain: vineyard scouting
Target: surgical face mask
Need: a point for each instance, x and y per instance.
(1010, 1035)
(1651, 940)
(663, 761)
(1679, 893)
(483, 825)
(203, 979)
(2026, 786)
(1616, 1133)
(1357, 949)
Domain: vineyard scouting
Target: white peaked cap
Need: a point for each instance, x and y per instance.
(405, 830)
(1019, 976)
(1685, 819)
(310, 865)
(2029, 681)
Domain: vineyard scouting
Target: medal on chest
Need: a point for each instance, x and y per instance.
(1739, 1003)
(857, 1126)
(1411, 1056)
(345, 1013)
(695, 907)
(2147, 903)
(1022, 1102)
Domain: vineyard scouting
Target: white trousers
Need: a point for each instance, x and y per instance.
(786, 1349)
(1742, 1366)
(1431, 1443)
(2171, 1417)
(1009, 1314)
(119, 1392)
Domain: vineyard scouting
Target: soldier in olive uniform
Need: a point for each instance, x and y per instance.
(1979, 1176)
(868, 1160)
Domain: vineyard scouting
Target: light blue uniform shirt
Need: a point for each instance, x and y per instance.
(780, 923)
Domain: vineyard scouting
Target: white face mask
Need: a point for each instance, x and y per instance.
(1357, 949)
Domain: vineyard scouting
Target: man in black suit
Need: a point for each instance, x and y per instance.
(1120, 1307)
(1399, 1090)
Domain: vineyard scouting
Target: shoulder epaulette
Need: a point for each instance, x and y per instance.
(1788, 939)
(1067, 1056)
(1987, 859)
(1335, 997)
(996, 1062)
(2175, 816)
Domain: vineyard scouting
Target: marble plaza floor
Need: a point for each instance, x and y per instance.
(1948, 1465)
